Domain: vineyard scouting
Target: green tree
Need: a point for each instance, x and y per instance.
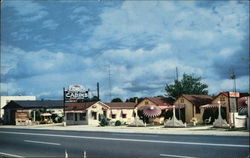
(116, 100)
(188, 85)
(94, 98)
(133, 99)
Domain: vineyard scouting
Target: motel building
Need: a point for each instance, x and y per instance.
(192, 104)
(88, 113)
(153, 103)
(204, 108)
(231, 103)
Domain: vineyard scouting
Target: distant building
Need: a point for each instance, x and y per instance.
(24, 107)
(6, 99)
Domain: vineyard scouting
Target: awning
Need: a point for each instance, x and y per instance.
(46, 114)
(143, 106)
(243, 105)
(151, 111)
(75, 111)
(215, 105)
(163, 107)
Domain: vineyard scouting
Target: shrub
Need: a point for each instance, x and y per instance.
(118, 123)
(103, 120)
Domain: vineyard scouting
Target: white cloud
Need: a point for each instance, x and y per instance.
(143, 42)
(23, 63)
(50, 24)
(28, 10)
(227, 52)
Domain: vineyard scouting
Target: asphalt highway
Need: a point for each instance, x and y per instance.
(54, 143)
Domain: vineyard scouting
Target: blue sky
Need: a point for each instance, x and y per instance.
(48, 45)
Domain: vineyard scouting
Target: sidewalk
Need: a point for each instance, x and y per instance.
(193, 130)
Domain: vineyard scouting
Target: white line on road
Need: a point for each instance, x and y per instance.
(166, 155)
(139, 135)
(11, 155)
(129, 140)
(39, 142)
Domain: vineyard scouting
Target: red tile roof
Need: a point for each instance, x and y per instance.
(224, 93)
(120, 105)
(227, 94)
(198, 100)
(78, 106)
(161, 101)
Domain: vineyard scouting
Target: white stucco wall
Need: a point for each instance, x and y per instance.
(129, 115)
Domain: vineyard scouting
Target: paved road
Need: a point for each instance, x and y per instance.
(51, 143)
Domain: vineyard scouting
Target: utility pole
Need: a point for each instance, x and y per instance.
(98, 94)
(109, 82)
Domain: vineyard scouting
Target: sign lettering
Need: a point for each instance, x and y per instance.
(75, 93)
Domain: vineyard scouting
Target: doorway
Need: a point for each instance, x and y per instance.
(75, 116)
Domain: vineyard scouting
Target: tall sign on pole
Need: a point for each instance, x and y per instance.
(74, 93)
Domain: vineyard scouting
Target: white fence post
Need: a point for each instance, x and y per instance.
(84, 154)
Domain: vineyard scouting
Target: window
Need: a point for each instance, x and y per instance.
(182, 100)
(82, 116)
(113, 116)
(222, 98)
(105, 113)
(197, 110)
(146, 102)
(70, 116)
(94, 115)
(124, 115)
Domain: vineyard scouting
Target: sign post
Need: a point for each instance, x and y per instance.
(233, 104)
(64, 116)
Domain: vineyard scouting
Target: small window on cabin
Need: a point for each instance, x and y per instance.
(82, 116)
(124, 115)
(182, 100)
(222, 98)
(113, 116)
(105, 113)
(69, 116)
(146, 102)
(197, 110)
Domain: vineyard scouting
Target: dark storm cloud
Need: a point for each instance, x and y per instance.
(238, 62)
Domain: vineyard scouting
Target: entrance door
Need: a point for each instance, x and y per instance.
(75, 116)
(12, 117)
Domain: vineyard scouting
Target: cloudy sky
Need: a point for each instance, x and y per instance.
(48, 45)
